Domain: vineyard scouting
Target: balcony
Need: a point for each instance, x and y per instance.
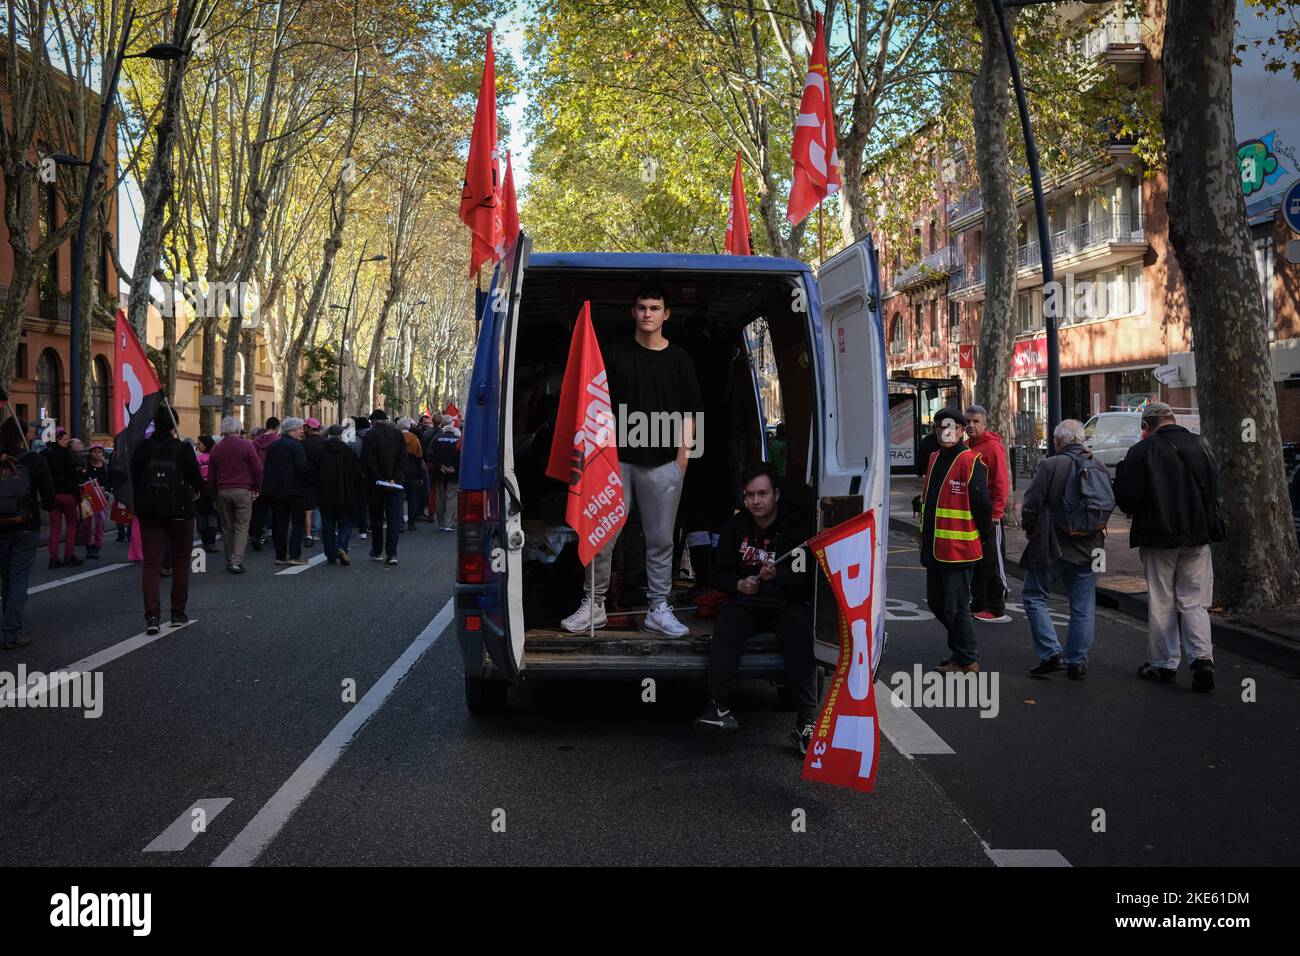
(967, 278)
(967, 206)
(56, 308)
(1117, 38)
(1087, 240)
(936, 266)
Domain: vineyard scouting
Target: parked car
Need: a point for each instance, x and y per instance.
(1109, 435)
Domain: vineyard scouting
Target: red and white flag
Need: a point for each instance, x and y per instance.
(739, 242)
(137, 394)
(509, 208)
(846, 742)
(584, 452)
(816, 158)
(480, 198)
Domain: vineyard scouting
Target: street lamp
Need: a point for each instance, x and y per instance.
(159, 51)
(347, 310)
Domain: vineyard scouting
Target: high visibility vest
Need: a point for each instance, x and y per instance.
(956, 538)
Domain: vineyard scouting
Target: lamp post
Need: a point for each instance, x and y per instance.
(159, 51)
(347, 311)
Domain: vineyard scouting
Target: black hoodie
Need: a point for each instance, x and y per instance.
(743, 547)
(337, 476)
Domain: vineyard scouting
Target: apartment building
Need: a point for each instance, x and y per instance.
(1124, 331)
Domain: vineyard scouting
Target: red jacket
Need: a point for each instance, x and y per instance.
(234, 463)
(993, 451)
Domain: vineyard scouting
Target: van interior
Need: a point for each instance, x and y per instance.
(731, 324)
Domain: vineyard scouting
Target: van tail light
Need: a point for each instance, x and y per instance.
(470, 507)
(471, 562)
(471, 568)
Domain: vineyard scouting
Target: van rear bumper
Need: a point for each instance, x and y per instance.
(581, 665)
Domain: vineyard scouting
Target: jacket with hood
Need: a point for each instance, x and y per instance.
(993, 452)
(263, 443)
(337, 476)
(743, 547)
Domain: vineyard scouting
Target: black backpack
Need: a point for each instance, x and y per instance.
(162, 494)
(17, 496)
(1088, 499)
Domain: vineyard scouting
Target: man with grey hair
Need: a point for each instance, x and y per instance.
(988, 587)
(288, 483)
(234, 482)
(1169, 483)
(1063, 542)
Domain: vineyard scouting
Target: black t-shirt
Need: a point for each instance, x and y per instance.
(649, 382)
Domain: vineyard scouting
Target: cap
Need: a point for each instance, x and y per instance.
(96, 445)
(1157, 410)
(311, 422)
(952, 413)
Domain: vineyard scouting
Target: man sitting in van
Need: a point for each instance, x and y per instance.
(766, 596)
(651, 383)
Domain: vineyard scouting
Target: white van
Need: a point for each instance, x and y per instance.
(517, 572)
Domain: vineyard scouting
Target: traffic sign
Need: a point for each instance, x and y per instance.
(1291, 206)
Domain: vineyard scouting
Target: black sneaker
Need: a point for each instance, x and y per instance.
(55, 563)
(309, 542)
(92, 552)
(73, 562)
(802, 736)
(1049, 666)
(179, 618)
(714, 719)
(391, 562)
(1203, 675)
(1077, 671)
(151, 625)
(1162, 675)
(256, 543)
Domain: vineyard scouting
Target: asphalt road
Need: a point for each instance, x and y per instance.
(246, 709)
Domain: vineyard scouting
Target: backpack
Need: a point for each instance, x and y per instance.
(1087, 500)
(17, 496)
(160, 494)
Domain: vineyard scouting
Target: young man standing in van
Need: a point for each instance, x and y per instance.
(651, 381)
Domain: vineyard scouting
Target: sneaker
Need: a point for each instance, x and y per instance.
(297, 562)
(802, 736)
(376, 557)
(448, 529)
(256, 543)
(1049, 666)
(952, 667)
(988, 617)
(165, 572)
(410, 526)
(1076, 671)
(344, 559)
(581, 619)
(662, 620)
(1163, 675)
(714, 718)
(55, 563)
(309, 542)
(391, 561)
(234, 569)
(179, 618)
(1203, 675)
(72, 561)
(281, 562)
(22, 640)
(361, 535)
(151, 625)
(92, 552)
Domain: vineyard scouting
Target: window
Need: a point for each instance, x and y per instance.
(897, 343)
(1135, 303)
(20, 361)
(933, 309)
(1264, 266)
(917, 323)
(934, 233)
(1029, 312)
(101, 390)
(48, 385)
(954, 321)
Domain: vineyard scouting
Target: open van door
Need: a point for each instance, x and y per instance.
(853, 447)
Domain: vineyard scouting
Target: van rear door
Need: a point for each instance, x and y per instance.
(853, 446)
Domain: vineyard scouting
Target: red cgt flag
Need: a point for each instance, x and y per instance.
(816, 159)
(480, 199)
(845, 747)
(739, 242)
(137, 395)
(509, 208)
(584, 452)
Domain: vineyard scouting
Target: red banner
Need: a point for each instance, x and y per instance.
(480, 198)
(816, 173)
(509, 207)
(738, 241)
(1029, 358)
(584, 451)
(966, 356)
(846, 743)
(134, 374)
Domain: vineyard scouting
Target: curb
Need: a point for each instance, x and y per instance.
(1257, 645)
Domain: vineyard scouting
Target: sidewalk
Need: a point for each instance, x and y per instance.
(1272, 637)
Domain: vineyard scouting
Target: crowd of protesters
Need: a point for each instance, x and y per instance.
(290, 476)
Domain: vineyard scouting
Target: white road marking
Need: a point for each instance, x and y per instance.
(266, 824)
(1036, 858)
(906, 731)
(95, 661)
(48, 585)
(182, 833)
(299, 569)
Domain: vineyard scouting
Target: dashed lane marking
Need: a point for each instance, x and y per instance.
(188, 825)
(908, 733)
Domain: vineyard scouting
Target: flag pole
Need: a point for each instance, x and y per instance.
(821, 249)
(592, 608)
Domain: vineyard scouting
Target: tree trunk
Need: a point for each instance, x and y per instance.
(208, 377)
(1256, 567)
(991, 99)
(248, 349)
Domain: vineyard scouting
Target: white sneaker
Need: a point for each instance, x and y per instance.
(663, 620)
(580, 620)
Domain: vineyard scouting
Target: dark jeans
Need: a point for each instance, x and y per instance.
(385, 505)
(947, 591)
(422, 493)
(257, 525)
(336, 529)
(290, 518)
(988, 587)
(412, 499)
(155, 538)
(794, 629)
(362, 515)
(17, 554)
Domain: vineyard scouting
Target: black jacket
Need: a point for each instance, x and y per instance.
(743, 547)
(38, 473)
(337, 476)
(1161, 493)
(187, 473)
(63, 469)
(981, 506)
(441, 451)
(383, 453)
(312, 445)
(286, 473)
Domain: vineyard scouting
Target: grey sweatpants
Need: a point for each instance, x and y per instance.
(1180, 590)
(655, 491)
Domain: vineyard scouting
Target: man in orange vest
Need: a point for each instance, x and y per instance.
(955, 507)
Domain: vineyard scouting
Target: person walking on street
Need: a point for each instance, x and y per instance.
(166, 480)
(25, 489)
(362, 426)
(63, 518)
(383, 462)
(413, 464)
(1064, 517)
(1169, 483)
(312, 443)
(955, 510)
(205, 509)
(337, 486)
(95, 469)
(989, 589)
(443, 454)
(262, 441)
(287, 481)
(234, 482)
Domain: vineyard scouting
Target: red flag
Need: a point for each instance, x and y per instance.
(509, 209)
(816, 159)
(584, 451)
(480, 199)
(138, 395)
(452, 412)
(845, 747)
(739, 242)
